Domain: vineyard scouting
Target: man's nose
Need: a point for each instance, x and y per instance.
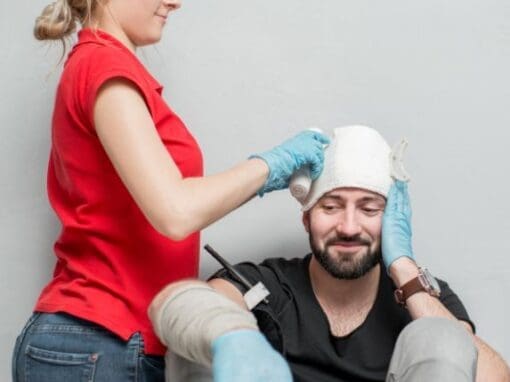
(348, 224)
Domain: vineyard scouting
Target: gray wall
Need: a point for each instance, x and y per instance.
(245, 75)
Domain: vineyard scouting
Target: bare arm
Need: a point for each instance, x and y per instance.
(491, 366)
(175, 206)
(229, 290)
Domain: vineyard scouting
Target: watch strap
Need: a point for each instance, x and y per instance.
(408, 289)
(424, 282)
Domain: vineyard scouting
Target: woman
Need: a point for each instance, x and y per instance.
(125, 179)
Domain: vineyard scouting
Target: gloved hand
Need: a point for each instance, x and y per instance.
(304, 149)
(396, 225)
(245, 355)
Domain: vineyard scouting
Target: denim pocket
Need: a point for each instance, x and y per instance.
(152, 367)
(40, 365)
(157, 362)
(17, 345)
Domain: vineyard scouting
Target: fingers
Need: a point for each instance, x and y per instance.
(317, 164)
(404, 204)
(398, 197)
(317, 135)
(407, 203)
(312, 152)
(392, 200)
(322, 138)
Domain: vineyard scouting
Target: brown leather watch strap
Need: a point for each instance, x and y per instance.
(408, 289)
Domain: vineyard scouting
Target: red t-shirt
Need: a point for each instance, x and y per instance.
(110, 260)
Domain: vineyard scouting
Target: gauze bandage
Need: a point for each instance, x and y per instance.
(358, 157)
(193, 316)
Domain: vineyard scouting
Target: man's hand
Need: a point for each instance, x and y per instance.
(396, 225)
(246, 355)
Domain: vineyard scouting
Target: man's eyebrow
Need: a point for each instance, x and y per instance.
(365, 199)
(336, 197)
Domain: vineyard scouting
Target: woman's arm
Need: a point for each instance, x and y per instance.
(176, 207)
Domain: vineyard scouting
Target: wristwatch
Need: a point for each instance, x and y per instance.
(424, 282)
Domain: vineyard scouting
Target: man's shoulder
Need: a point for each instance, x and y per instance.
(283, 273)
(274, 264)
(274, 272)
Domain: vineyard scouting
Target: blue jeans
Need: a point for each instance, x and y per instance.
(59, 347)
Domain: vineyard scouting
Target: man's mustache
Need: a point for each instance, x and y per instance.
(340, 239)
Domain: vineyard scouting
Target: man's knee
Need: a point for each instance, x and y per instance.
(163, 294)
(437, 337)
(435, 342)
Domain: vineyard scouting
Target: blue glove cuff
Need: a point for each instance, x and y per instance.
(273, 181)
(246, 355)
(235, 337)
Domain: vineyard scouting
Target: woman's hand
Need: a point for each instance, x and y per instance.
(304, 149)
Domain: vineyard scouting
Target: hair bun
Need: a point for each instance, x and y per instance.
(56, 21)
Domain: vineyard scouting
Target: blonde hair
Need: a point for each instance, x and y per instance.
(59, 19)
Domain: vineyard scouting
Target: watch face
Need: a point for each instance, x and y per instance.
(434, 285)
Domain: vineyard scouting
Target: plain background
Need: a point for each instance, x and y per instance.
(246, 75)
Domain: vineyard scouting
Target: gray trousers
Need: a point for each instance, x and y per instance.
(178, 369)
(428, 349)
(433, 349)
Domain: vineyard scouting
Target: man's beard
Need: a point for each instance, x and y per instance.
(346, 267)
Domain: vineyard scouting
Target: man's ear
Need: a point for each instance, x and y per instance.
(305, 218)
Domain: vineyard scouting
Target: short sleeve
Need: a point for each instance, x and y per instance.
(266, 314)
(104, 64)
(452, 302)
(278, 298)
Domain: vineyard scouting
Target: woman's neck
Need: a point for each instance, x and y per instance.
(104, 21)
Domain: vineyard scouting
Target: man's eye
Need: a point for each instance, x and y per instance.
(371, 211)
(330, 207)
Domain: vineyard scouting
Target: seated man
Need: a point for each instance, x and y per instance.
(358, 308)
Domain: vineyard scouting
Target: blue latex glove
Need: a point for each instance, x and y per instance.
(396, 225)
(304, 149)
(246, 355)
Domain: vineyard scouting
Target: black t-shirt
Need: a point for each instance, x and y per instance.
(296, 325)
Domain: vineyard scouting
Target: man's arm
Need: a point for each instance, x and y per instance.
(228, 290)
(490, 366)
(399, 260)
(205, 326)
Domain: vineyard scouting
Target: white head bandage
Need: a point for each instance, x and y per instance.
(358, 156)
